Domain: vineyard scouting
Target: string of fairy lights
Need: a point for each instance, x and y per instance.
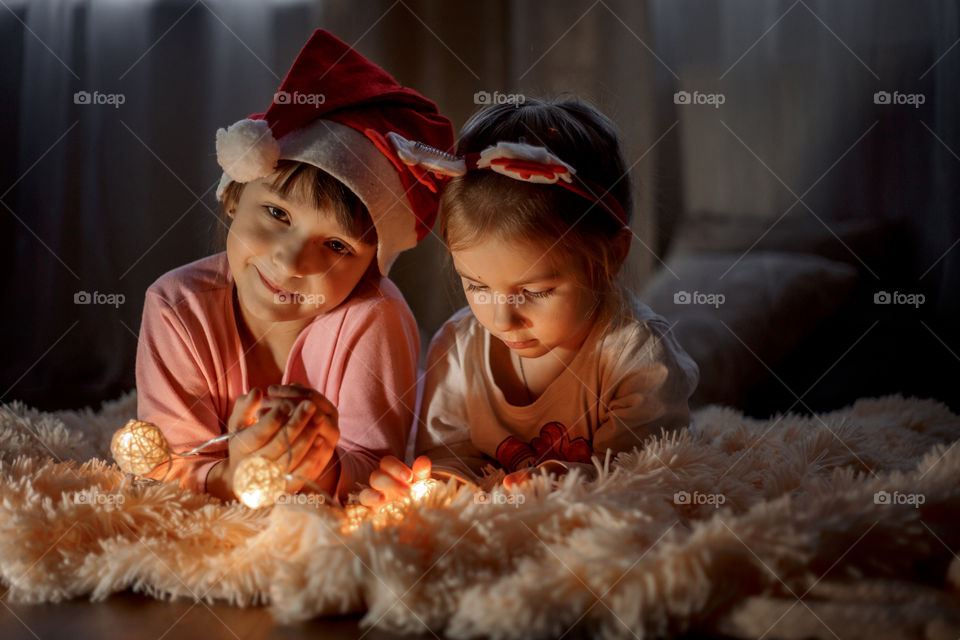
(139, 447)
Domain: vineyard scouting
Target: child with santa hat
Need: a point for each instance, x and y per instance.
(293, 338)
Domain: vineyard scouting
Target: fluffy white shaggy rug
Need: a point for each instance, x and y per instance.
(844, 525)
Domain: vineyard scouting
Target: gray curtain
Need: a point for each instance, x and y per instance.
(799, 78)
(852, 107)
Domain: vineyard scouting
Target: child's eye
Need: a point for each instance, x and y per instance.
(277, 214)
(538, 294)
(339, 247)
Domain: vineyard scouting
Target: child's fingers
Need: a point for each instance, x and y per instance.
(289, 435)
(325, 429)
(294, 484)
(389, 486)
(394, 467)
(316, 461)
(516, 478)
(245, 410)
(256, 436)
(299, 449)
(422, 468)
(297, 390)
(371, 498)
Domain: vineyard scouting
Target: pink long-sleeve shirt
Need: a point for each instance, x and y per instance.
(191, 369)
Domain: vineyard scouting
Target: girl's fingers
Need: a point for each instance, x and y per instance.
(391, 465)
(289, 435)
(516, 478)
(245, 410)
(371, 498)
(422, 468)
(389, 486)
(315, 462)
(326, 429)
(259, 434)
(299, 450)
(297, 390)
(294, 484)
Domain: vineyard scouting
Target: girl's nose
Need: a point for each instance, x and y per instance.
(506, 315)
(296, 256)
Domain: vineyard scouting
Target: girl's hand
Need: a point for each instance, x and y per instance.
(314, 450)
(522, 476)
(259, 432)
(392, 481)
(265, 426)
(517, 478)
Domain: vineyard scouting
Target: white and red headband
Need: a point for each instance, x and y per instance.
(517, 160)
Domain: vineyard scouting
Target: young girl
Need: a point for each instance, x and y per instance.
(293, 337)
(553, 362)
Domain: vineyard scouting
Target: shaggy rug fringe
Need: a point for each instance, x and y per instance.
(842, 524)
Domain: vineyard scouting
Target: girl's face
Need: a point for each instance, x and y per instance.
(525, 296)
(291, 261)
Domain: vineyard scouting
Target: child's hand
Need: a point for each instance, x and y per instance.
(313, 450)
(517, 478)
(289, 415)
(522, 476)
(392, 480)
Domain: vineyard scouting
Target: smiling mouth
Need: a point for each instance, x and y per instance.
(274, 288)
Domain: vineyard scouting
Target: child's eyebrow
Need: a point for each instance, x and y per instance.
(292, 197)
(539, 278)
(552, 275)
(275, 191)
(348, 233)
(463, 275)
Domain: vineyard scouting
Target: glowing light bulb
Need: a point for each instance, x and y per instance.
(258, 482)
(354, 516)
(139, 447)
(388, 514)
(421, 488)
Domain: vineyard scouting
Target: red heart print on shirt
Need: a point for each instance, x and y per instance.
(553, 443)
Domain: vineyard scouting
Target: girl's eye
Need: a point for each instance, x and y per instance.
(339, 247)
(276, 214)
(526, 294)
(538, 294)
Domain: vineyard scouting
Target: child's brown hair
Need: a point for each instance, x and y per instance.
(312, 185)
(481, 204)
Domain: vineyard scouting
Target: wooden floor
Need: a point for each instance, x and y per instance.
(134, 617)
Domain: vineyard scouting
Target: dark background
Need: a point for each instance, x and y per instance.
(799, 159)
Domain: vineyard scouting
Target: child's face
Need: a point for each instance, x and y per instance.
(291, 261)
(525, 296)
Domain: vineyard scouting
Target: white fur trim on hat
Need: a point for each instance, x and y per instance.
(225, 180)
(246, 150)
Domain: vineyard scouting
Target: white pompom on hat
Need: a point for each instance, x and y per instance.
(246, 150)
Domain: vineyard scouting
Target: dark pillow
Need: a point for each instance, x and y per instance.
(739, 315)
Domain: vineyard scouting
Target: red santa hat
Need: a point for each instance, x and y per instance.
(334, 111)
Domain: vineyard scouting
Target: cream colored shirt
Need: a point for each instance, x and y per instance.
(621, 387)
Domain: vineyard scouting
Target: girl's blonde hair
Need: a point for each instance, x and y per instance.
(484, 204)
